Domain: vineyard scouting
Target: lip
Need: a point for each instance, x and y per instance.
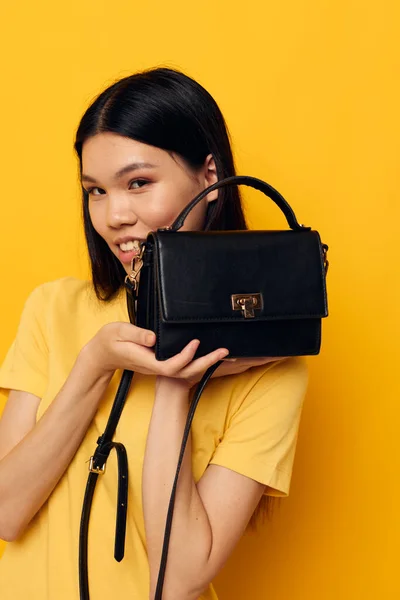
(127, 238)
(126, 257)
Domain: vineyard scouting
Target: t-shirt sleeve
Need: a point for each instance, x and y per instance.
(25, 365)
(261, 435)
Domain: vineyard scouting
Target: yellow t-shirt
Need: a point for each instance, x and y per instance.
(246, 422)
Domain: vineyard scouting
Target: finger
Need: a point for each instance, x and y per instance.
(203, 363)
(127, 332)
(143, 360)
(173, 365)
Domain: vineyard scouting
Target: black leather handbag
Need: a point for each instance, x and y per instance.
(256, 293)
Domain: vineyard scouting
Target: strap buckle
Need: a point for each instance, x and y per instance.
(98, 470)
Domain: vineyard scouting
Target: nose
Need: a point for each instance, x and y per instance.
(119, 211)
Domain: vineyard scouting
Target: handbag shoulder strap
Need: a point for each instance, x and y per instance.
(97, 467)
(253, 182)
(167, 533)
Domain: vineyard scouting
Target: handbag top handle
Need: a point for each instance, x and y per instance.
(253, 182)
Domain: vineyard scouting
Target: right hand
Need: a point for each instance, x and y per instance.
(122, 345)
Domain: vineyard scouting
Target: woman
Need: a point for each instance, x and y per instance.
(146, 146)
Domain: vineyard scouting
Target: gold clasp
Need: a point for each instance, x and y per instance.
(247, 303)
(137, 263)
(326, 261)
(98, 470)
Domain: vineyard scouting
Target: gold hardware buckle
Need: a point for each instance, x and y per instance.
(98, 470)
(247, 303)
(325, 254)
(137, 263)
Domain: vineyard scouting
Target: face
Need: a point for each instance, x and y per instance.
(135, 189)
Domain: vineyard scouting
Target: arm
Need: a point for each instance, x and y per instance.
(33, 457)
(209, 518)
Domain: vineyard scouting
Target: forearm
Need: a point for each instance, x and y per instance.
(191, 536)
(32, 469)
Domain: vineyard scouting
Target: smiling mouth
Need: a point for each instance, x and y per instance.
(128, 246)
(127, 251)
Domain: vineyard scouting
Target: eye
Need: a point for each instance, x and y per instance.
(135, 184)
(95, 191)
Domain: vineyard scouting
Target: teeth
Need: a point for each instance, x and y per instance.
(127, 246)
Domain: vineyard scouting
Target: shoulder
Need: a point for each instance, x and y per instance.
(70, 305)
(287, 376)
(292, 367)
(40, 300)
(264, 393)
(64, 297)
(64, 294)
(269, 392)
(292, 371)
(65, 287)
(262, 421)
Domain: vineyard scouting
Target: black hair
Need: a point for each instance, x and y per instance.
(167, 109)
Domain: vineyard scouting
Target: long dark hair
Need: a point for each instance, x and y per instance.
(167, 109)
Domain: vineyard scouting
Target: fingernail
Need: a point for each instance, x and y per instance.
(224, 353)
(231, 359)
(150, 338)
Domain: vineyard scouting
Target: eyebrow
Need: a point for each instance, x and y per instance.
(127, 169)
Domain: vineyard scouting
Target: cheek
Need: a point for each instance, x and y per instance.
(162, 207)
(169, 202)
(159, 216)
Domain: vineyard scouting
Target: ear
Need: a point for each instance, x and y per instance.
(210, 177)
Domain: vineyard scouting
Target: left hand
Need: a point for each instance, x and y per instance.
(195, 369)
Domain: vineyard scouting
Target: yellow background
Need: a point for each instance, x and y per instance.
(310, 91)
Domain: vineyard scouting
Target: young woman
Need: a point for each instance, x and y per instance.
(146, 146)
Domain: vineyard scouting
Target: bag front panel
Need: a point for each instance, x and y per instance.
(300, 337)
(199, 273)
